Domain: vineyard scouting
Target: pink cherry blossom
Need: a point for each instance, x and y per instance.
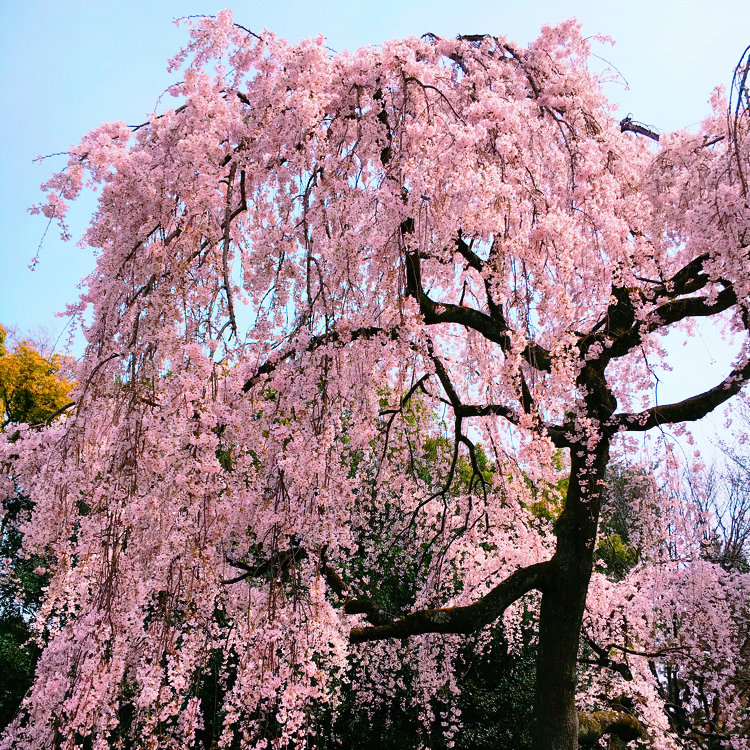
(323, 280)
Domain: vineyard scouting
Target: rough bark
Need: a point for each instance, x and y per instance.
(593, 726)
(466, 619)
(563, 601)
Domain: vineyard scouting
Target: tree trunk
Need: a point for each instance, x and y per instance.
(563, 602)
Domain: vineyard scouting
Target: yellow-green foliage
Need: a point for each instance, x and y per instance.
(549, 499)
(32, 386)
(614, 556)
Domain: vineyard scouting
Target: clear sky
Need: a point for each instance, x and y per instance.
(67, 65)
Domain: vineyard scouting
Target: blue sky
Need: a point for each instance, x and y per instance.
(66, 66)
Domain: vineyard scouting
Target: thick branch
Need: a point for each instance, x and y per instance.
(688, 410)
(226, 240)
(367, 607)
(691, 307)
(621, 331)
(557, 434)
(667, 314)
(493, 330)
(370, 609)
(621, 313)
(282, 561)
(593, 726)
(464, 619)
(628, 125)
(690, 278)
(469, 255)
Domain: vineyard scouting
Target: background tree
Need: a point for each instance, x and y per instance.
(461, 218)
(686, 626)
(723, 494)
(720, 498)
(33, 386)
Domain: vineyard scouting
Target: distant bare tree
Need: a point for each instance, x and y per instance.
(724, 499)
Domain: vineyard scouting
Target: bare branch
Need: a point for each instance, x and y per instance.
(627, 124)
(274, 565)
(334, 337)
(603, 659)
